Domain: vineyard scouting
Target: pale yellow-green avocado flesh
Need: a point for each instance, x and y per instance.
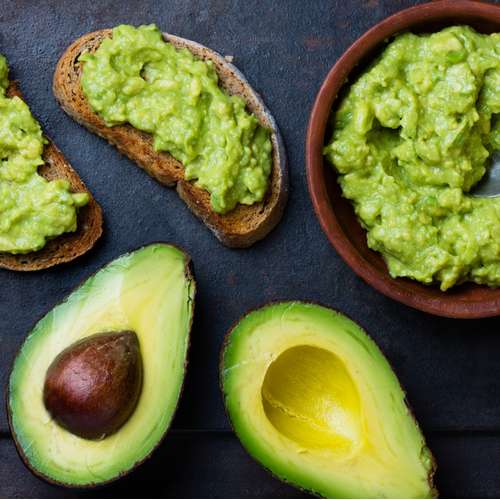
(145, 291)
(136, 77)
(32, 210)
(313, 399)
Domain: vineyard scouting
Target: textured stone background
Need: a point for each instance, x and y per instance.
(448, 367)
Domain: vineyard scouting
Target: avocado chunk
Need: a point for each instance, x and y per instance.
(315, 402)
(91, 388)
(149, 292)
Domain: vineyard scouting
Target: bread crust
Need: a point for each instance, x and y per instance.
(67, 246)
(242, 226)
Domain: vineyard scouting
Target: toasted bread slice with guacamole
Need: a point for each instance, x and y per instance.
(67, 246)
(242, 226)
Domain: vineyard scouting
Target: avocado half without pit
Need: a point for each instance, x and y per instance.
(95, 384)
(315, 402)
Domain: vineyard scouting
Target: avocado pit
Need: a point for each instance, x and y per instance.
(92, 387)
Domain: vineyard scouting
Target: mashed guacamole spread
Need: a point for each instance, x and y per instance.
(410, 139)
(136, 77)
(32, 209)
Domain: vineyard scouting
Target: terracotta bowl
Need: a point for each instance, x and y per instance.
(335, 213)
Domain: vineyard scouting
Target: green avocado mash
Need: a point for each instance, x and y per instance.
(32, 209)
(136, 77)
(410, 139)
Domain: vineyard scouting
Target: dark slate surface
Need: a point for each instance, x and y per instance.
(448, 367)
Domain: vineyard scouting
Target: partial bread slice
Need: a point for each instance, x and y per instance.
(240, 227)
(67, 246)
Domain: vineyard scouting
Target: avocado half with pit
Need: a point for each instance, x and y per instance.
(315, 402)
(94, 386)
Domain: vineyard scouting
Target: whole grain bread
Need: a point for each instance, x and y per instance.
(242, 226)
(67, 246)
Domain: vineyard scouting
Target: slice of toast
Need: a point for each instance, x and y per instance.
(242, 226)
(67, 246)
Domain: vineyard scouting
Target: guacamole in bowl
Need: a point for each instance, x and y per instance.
(411, 138)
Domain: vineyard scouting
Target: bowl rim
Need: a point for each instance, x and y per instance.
(435, 302)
